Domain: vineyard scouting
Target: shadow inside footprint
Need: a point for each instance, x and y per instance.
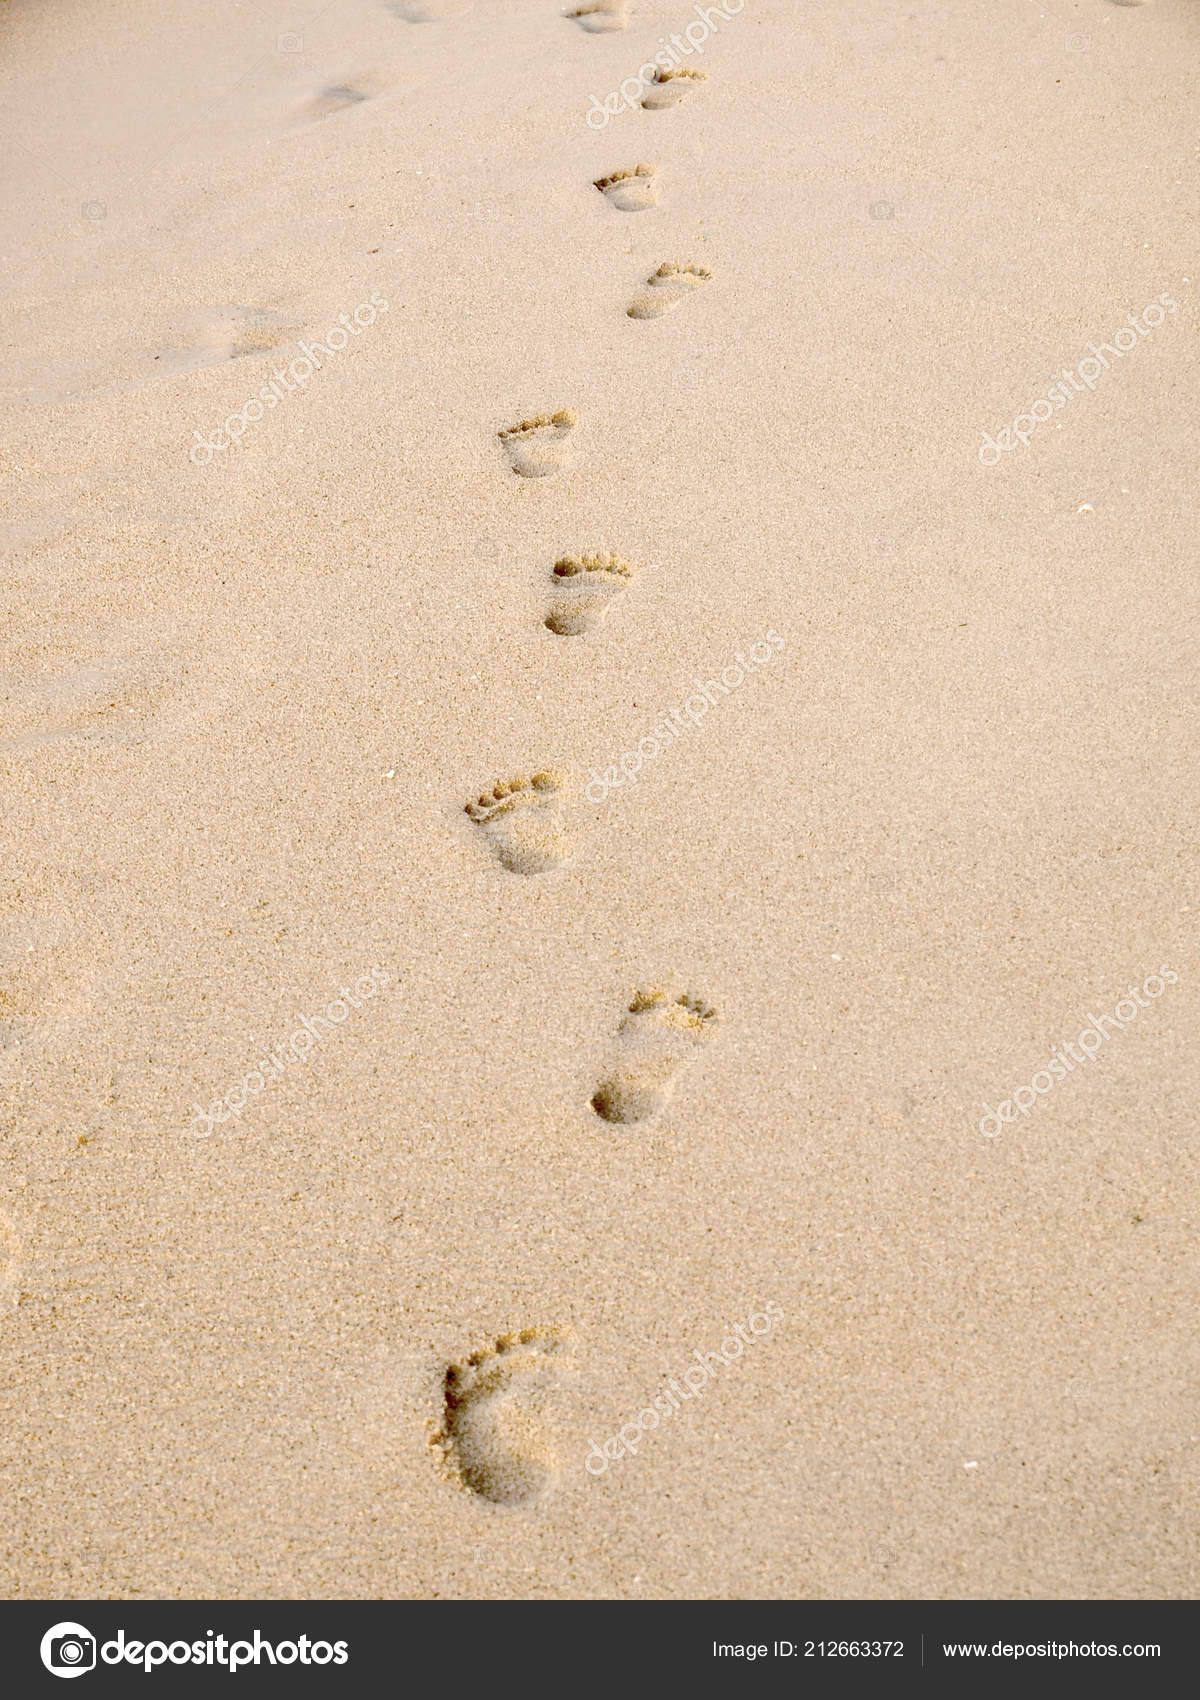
(522, 820)
(655, 1039)
(666, 288)
(670, 87)
(602, 15)
(630, 191)
(538, 447)
(427, 11)
(336, 98)
(228, 333)
(495, 1437)
(585, 588)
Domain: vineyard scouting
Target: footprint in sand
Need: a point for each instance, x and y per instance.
(670, 87)
(522, 820)
(655, 1039)
(496, 1438)
(225, 333)
(428, 11)
(665, 289)
(602, 15)
(336, 97)
(630, 191)
(585, 587)
(538, 447)
(109, 700)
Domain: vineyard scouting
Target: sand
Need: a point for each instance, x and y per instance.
(367, 1315)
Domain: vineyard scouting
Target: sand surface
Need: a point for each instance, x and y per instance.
(359, 1336)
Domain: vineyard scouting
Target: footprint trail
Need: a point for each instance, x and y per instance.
(539, 447)
(495, 1438)
(657, 1037)
(630, 191)
(671, 87)
(523, 822)
(666, 288)
(585, 587)
(602, 15)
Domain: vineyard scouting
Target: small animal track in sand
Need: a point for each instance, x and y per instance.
(630, 191)
(666, 288)
(495, 1438)
(656, 1038)
(602, 15)
(670, 87)
(522, 820)
(585, 587)
(541, 446)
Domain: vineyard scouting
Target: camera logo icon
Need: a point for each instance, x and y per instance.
(68, 1649)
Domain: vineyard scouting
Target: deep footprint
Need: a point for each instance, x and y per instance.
(666, 288)
(495, 1439)
(585, 587)
(630, 191)
(522, 820)
(602, 15)
(670, 87)
(541, 446)
(658, 1035)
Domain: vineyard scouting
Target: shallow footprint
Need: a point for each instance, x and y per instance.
(522, 820)
(655, 1039)
(585, 587)
(666, 288)
(670, 87)
(229, 333)
(495, 1438)
(630, 191)
(538, 447)
(602, 15)
(427, 11)
(336, 97)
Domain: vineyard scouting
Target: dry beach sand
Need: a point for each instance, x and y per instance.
(593, 1074)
